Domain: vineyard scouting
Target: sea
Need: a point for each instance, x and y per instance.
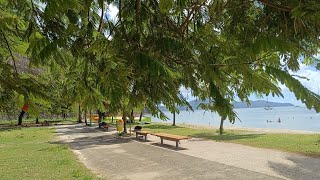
(291, 118)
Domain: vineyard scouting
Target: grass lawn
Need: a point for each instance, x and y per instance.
(307, 144)
(30, 153)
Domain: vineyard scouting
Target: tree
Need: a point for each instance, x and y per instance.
(219, 49)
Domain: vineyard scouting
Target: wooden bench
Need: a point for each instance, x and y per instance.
(143, 133)
(170, 137)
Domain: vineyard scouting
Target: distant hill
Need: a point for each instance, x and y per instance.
(254, 104)
(261, 103)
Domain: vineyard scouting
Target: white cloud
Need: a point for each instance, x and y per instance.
(186, 92)
(312, 83)
(313, 77)
(112, 12)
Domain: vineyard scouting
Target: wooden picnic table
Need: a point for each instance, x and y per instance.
(170, 137)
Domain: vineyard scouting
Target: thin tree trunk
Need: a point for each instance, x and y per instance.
(85, 116)
(100, 118)
(111, 119)
(140, 116)
(79, 112)
(37, 120)
(131, 120)
(124, 123)
(131, 117)
(20, 117)
(174, 119)
(221, 126)
(90, 118)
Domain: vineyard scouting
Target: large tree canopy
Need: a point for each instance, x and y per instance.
(220, 49)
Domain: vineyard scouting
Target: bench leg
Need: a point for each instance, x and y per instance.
(161, 140)
(137, 135)
(177, 144)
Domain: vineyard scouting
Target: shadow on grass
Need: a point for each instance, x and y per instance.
(160, 126)
(226, 137)
(9, 128)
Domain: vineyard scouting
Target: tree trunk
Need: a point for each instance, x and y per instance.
(131, 117)
(37, 120)
(20, 117)
(90, 118)
(131, 120)
(124, 123)
(100, 118)
(111, 119)
(79, 118)
(221, 126)
(140, 116)
(85, 117)
(174, 119)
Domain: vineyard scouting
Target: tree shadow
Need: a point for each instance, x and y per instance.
(160, 126)
(9, 128)
(226, 137)
(91, 142)
(302, 167)
(76, 129)
(88, 136)
(168, 146)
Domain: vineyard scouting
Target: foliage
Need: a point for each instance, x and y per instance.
(221, 50)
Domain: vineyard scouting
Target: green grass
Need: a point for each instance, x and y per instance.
(307, 144)
(30, 153)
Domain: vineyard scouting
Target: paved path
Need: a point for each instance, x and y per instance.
(127, 158)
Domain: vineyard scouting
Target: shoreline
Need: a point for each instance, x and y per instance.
(255, 130)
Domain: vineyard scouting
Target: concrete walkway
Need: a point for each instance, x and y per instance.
(127, 158)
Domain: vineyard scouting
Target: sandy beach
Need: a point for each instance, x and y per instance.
(254, 130)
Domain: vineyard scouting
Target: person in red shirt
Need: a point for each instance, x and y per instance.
(23, 111)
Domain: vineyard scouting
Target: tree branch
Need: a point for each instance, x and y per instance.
(276, 6)
(101, 18)
(194, 10)
(10, 51)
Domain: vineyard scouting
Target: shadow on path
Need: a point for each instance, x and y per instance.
(84, 137)
(168, 146)
(303, 168)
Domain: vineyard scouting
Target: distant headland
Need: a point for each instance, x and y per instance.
(253, 104)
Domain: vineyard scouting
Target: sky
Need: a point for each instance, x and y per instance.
(312, 83)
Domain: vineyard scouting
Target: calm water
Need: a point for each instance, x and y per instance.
(295, 118)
